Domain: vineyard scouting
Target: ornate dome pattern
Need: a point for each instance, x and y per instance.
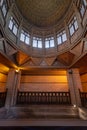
(43, 13)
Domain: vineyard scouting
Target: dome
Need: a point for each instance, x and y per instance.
(43, 61)
(43, 13)
(44, 33)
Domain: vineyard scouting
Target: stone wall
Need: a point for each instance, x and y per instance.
(3, 79)
(84, 82)
(44, 83)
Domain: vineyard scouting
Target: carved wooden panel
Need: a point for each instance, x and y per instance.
(66, 58)
(21, 58)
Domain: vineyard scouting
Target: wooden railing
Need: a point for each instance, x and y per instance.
(83, 96)
(43, 98)
(2, 98)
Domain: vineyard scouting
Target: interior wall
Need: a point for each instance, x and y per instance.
(44, 83)
(84, 82)
(3, 79)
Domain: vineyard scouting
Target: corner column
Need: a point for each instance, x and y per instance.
(13, 83)
(74, 83)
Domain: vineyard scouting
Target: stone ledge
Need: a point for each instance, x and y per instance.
(45, 112)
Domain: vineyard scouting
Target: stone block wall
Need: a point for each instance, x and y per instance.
(3, 79)
(84, 82)
(44, 83)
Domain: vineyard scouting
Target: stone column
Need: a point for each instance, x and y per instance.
(13, 83)
(74, 83)
(16, 87)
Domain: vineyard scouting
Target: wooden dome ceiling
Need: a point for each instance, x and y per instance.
(43, 13)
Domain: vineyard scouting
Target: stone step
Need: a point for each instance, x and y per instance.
(40, 112)
(82, 113)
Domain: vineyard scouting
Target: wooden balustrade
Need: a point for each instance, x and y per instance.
(43, 98)
(2, 98)
(83, 96)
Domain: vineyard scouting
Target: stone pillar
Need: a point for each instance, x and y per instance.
(74, 86)
(13, 83)
(16, 87)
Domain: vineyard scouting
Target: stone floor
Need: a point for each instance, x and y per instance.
(39, 112)
(39, 115)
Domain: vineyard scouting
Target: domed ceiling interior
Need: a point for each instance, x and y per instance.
(43, 13)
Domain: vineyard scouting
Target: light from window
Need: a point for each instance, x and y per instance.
(10, 24)
(72, 30)
(22, 37)
(4, 10)
(27, 40)
(61, 37)
(73, 26)
(82, 10)
(3, 5)
(13, 26)
(47, 45)
(1, 2)
(52, 43)
(49, 42)
(76, 25)
(39, 44)
(59, 40)
(15, 30)
(64, 38)
(85, 2)
(34, 43)
(82, 6)
(25, 37)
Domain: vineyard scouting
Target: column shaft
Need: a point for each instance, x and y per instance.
(13, 82)
(74, 82)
